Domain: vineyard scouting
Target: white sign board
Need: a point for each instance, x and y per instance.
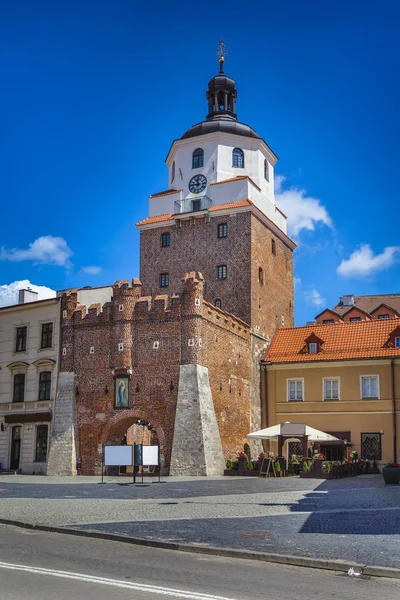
(150, 456)
(118, 456)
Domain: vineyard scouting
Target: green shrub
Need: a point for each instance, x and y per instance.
(249, 465)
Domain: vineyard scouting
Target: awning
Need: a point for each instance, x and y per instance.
(272, 433)
(28, 417)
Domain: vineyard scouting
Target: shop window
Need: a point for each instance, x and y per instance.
(371, 446)
(41, 443)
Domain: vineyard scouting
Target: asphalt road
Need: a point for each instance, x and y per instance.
(43, 566)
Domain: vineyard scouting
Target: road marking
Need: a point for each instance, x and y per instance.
(142, 587)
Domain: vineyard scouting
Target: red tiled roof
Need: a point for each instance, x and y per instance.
(238, 204)
(237, 178)
(342, 341)
(156, 219)
(165, 193)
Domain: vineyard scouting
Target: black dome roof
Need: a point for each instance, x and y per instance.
(222, 125)
(222, 81)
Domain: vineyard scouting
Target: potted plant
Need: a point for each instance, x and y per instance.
(354, 455)
(278, 469)
(391, 473)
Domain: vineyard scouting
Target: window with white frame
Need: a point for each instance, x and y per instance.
(313, 348)
(397, 342)
(331, 389)
(295, 390)
(370, 386)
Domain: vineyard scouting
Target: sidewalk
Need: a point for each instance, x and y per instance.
(356, 520)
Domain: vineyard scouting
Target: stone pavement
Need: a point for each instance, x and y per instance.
(356, 519)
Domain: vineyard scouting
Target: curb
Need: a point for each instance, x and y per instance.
(285, 559)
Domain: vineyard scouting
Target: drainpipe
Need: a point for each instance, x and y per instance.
(394, 412)
(264, 399)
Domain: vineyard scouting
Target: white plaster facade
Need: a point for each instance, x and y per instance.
(31, 412)
(217, 168)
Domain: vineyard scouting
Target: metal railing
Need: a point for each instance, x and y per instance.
(188, 205)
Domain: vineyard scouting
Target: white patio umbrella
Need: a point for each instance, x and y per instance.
(272, 433)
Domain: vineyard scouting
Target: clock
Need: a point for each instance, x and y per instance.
(197, 184)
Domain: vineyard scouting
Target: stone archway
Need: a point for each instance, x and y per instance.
(120, 423)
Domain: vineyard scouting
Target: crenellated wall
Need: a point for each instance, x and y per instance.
(147, 339)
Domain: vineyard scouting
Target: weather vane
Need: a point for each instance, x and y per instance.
(221, 53)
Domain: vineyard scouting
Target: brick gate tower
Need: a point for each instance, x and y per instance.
(219, 216)
(178, 349)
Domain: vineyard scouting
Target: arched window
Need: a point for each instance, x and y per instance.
(217, 303)
(266, 170)
(173, 172)
(238, 158)
(198, 158)
(260, 276)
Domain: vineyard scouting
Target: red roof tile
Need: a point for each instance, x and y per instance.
(237, 178)
(165, 193)
(238, 204)
(156, 219)
(341, 341)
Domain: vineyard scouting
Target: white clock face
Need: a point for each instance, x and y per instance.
(197, 184)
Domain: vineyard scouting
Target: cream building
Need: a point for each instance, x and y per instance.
(342, 378)
(29, 347)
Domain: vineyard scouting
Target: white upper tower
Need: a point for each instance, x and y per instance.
(219, 161)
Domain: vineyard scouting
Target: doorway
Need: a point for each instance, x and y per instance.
(15, 448)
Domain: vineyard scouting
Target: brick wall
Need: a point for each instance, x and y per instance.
(221, 342)
(196, 247)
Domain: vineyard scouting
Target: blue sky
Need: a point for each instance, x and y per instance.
(93, 92)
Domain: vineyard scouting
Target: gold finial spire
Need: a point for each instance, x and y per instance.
(221, 53)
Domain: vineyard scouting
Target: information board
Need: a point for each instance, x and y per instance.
(118, 456)
(150, 456)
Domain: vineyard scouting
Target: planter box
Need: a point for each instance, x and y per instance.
(253, 473)
(231, 472)
(391, 475)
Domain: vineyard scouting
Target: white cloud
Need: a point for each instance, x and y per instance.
(363, 262)
(314, 297)
(297, 281)
(302, 211)
(91, 270)
(47, 250)
(9, 292)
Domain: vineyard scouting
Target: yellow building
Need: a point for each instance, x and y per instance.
(341, 378)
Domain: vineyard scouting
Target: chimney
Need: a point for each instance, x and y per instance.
(347, 300)
(27, 295)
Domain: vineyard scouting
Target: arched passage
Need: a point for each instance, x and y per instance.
(119, 424)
